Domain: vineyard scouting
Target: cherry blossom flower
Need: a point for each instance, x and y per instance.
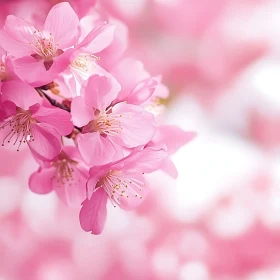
(110, 55)
(106, 128)
(39, 54)
(83, 59)
(123, 183)
(87, 112)
(27, 121)
(66, 174)
(138, 86)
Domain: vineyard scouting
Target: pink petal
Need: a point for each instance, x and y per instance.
(57, 118)
(47, 143)
(10, 73)
(144, 161)
(72, 193)
(34, 72)
(120, 151)
(94, 213)
(95, 149)
(132, 201)
(83, 6)
(91, 185)
(73, 153)
(129, 73)
(96, 173)
(161, 91)
(143, 91)
(7, 109)
(40, 182)
(138, 126)
(19, 29)
(100, 91)
(22, 94)
(31, 70)
(16, 36)
(2, 52)
(63, 23)
(99, 38)
(111, 55)
(61, 62)
(173, 137)
(82, 113)
(41, 160)
(169, 167)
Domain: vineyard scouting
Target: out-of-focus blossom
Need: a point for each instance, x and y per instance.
(210, 67)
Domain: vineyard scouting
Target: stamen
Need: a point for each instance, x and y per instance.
(120, 185)
(84, 64)
(155, 106)
(44, 44)
(64, 173)
(110, 123)
(20, 129)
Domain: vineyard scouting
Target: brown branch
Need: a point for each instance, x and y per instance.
(52, 101)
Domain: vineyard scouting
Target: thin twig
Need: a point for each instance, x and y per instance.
(52, 101)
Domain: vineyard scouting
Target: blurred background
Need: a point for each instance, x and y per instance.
(220, 220)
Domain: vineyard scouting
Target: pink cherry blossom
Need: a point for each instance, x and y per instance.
(123, 183)
(110, 55)
(66, 174)
(43, 49)
(220, 61)
(83, 59)
(129, 73)
(138, 86)
(88, 113)
(108, 127)
(29, 122)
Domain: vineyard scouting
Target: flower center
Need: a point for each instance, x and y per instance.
(120, 185)
(44, 44)
(19, 128)
(64, 171)
(109, 123)
(155, 106)
(84, 64)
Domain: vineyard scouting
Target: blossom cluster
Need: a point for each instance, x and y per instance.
(90, 115)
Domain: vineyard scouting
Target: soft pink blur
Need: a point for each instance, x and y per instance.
(221, 219)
